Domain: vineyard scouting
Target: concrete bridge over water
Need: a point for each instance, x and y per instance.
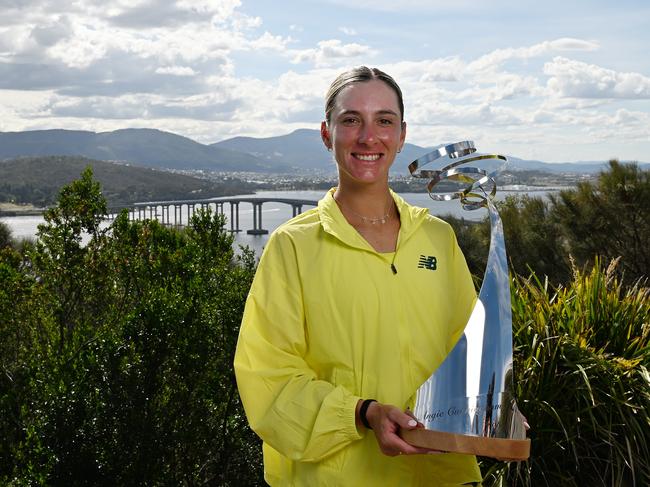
(178, 213)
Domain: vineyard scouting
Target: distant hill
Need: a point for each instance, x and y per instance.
(38, 180)
(301, 151)
(144, 147)
(304, 149)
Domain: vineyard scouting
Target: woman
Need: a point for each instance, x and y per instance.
(344, 321)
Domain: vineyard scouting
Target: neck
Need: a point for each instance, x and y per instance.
(367, 207)
(370, 200)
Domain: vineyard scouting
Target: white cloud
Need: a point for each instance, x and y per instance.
(331, 52)
(570, 44)
(501, 87)
(154, 108)
(220, 10)
(420, 6)
(570, 78)
(348, 31)
(448, 69)
(624, 116)
(88, 44)
(50, 33)
(245, 22)
(270, 41)
(469, 115)
(176, 70)
(493, 60)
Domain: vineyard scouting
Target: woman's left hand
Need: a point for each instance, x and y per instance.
(386, 421)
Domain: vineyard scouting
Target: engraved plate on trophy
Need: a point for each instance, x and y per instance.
(467, 404)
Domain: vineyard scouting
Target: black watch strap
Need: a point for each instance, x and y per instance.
(363, 410)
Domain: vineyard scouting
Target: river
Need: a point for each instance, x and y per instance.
(274, 214)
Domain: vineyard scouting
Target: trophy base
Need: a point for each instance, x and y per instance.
(499, 448)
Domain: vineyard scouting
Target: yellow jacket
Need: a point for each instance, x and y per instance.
(328, 322)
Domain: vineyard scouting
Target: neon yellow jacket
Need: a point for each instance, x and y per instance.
(327, 322)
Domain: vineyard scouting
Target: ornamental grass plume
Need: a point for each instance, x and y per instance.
(582, 356)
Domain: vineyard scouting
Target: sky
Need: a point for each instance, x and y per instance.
(553, 80)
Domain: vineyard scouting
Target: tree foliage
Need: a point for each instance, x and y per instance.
(116, 351)
(609, 219)
(548, 236)
(5, 235)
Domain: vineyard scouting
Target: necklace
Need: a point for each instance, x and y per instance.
(381, 220)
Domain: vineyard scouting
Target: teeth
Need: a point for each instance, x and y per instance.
(372, 157)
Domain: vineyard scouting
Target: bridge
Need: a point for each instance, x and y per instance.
(178, 213)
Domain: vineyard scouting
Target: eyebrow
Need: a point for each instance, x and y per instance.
(378, 112)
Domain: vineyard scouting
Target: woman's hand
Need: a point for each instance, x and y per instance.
(386, 421)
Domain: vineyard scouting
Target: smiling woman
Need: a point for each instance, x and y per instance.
(337, 333)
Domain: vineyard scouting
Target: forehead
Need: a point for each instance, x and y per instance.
(373, 95)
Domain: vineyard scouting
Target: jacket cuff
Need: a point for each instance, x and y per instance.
(349, 418)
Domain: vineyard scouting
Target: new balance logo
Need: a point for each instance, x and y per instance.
(428, 262)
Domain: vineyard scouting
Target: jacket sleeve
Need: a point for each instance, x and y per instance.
(287, 405)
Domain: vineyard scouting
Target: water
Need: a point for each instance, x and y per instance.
(274, 214)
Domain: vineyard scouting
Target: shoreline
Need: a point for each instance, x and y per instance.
(11, 209)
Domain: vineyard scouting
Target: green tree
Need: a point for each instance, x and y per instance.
(5, 235)
(532, 239)
(118, 355)
(609, 219)
(18, 315)
(474, 242)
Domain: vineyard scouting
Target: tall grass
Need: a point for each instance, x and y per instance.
(582, 355)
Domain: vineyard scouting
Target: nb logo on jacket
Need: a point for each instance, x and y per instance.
(428, 262)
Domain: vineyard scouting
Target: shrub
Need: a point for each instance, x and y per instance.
(5, 235)
(582, 355)
(117, 348)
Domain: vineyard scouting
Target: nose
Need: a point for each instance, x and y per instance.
(367, 134)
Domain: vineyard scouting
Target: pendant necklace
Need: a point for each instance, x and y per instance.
(381, 220)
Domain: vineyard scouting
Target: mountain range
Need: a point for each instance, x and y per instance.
(142, 147)
(300, 151)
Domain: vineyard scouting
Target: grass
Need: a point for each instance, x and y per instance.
(582, 354)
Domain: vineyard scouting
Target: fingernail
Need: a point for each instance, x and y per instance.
(413, 423)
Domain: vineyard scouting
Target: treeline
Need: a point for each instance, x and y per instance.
(38, 180)
(608, 219)
(115, 356)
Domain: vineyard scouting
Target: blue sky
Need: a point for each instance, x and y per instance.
(552, 80)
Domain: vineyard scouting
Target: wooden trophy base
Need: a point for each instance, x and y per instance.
(499, 448)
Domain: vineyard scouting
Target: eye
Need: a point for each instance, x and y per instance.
(349, 120)
(385, 121)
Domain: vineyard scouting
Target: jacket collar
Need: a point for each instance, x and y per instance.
(334, 223)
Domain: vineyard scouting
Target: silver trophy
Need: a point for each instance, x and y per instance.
(467, 405)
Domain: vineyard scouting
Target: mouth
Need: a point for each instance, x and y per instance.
(367, 157)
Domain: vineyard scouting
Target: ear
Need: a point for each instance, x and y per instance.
(402, 136)
(325, 135)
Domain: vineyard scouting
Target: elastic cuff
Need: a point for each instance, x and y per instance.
(350, 423)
